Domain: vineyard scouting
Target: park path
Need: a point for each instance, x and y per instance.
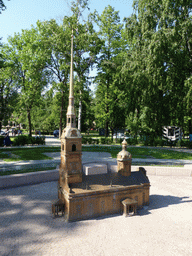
(89, 157)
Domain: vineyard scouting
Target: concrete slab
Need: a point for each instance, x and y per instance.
(94, 168)
(17, 180)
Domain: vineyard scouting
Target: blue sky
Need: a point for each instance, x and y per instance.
(21, 14)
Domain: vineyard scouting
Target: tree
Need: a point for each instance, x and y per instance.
(159, 61)
(56, 39)
(85, 50)
(107, 86)
(86, 47)
(2, 6)
(29, 57)
(8, 86)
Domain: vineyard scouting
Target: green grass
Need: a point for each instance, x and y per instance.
(25, 171)
(138, 152)
(35, 153)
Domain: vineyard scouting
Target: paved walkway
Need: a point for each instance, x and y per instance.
(86, 158)
(163, 228)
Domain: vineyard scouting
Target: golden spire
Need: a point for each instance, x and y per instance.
(71, 69)
(71, 118)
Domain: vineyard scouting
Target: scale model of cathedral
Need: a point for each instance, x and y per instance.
(85, 195)
(71, 142)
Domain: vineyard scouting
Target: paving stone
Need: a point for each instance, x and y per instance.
(163, 228)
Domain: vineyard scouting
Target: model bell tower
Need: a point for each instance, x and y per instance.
(124, 159)
(71, 141)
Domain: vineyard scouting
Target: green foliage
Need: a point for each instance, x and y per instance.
(2, 6)
(11, 172)
(144, 70)
(28, 140)
(109, 111)
(8, 85)
(158, 63)
(29, 56)
(1, 141)
(32, 153)
(139, 152)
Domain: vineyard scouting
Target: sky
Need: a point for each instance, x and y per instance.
(21, 14)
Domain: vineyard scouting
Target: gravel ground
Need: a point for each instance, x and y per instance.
(162, 228)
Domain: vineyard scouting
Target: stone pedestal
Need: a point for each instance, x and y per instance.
(94, 168)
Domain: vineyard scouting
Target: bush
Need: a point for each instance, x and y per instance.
(28, 140)
(95, 141)
(84, 140)
(158, 141)
(102, 140)
(20, 140)
(40, 140)
(1, 141)
(131, 141)
(147, 140)
(184, 143)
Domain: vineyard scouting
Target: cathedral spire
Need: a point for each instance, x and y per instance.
(71, 118)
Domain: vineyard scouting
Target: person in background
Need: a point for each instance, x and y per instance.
(7, 141)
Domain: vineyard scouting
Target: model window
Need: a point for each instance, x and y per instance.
(73, 147)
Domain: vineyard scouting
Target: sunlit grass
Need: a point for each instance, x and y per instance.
(11, 172)
(22, 154)
(138, 152)
(37, 153)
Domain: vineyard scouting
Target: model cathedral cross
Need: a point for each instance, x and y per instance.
(71, 142)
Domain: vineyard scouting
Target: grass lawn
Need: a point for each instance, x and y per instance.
(37, 153)
(18, 154)
(10, 172)
(138, 152)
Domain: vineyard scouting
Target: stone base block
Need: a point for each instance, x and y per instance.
(94, 168)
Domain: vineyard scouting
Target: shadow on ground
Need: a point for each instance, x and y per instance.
(161, 201)
(26, 220)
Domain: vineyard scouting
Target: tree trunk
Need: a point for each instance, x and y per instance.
(29, 121)
(106, 128)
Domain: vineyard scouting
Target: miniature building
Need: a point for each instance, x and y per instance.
(130, 206)
(95, 193)
(124, 160)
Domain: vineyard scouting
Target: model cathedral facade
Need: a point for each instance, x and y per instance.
(86, 196)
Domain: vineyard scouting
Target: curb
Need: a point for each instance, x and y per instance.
(16, 180)
(24, 179)
(161, 171)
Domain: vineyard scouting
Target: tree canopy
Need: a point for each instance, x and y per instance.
(143, 68)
